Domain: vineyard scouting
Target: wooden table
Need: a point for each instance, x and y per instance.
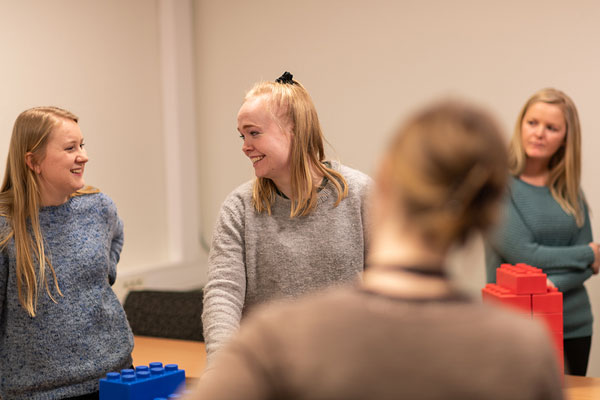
(582, 388)
(191, 356)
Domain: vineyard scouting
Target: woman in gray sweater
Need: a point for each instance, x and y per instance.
(298, 227)
(405, 332)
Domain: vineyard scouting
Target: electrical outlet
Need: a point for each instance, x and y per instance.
(133, 283)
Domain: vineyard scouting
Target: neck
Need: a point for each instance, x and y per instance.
(48, 201)
(284, 185)
(536, 172)
(393, 248)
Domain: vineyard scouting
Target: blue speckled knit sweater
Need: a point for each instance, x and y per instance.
(67, 347)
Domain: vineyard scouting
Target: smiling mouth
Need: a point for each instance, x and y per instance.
(256, 159)
(77, 171)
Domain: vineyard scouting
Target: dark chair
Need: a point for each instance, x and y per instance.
(166, 314)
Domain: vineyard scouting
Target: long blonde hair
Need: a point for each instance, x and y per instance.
(20, 202)
(290, 102)
(446, 172)
(565, 165)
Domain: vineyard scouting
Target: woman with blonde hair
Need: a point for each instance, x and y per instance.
(62, 327)
(405, 332)
(546, 222)
(299, 226)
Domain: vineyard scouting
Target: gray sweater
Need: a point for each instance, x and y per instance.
(68, 346)
(255, 257)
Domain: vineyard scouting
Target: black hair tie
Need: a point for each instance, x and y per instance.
(286, 79)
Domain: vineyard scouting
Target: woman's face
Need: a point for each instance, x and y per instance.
(266, 143)
(543, 131)
(60, 171)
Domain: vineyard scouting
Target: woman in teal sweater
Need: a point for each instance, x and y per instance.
(546, 222)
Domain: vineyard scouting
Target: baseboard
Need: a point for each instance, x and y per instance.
(173, 276)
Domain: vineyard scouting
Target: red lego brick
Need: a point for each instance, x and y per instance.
(521, 278)
(553, 321)
(498, 294)
(549, 302)
(523, 288)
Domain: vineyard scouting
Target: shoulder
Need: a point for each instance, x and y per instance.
(236, 203)
(98, 202)
(357, 180)
(5, 227)
(239, 196)
(499, 324)
(351, 174)
(242, 191)
(4, 221)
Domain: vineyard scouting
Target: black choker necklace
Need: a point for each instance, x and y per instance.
(433, 271)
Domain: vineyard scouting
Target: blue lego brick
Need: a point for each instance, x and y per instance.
(145, 383)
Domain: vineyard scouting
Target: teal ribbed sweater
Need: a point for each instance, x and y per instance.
(537, 231)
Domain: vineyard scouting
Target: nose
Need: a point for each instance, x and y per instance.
(82, 157)
(246, 147)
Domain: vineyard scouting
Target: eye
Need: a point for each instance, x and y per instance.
(532, 122)
(553, 128)
(254, 133)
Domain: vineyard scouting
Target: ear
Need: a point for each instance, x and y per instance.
(382, 183)
(31, 163)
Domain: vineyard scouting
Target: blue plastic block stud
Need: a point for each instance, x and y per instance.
(145, 383)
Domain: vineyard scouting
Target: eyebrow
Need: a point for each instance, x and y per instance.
(69, 141)
(246, 126)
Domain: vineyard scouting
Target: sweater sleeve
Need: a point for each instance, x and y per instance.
(567, 279)
(366, 206)
(247, 367)
(3, 280)
(515, 243)
(225, 290)
(116, 241)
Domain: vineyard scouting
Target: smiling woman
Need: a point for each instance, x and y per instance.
(60, 170)
(298, 227)
(266, 142)
(59, 247)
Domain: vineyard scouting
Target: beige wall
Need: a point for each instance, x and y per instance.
(126, 69)
(101, 61)
(369, 63)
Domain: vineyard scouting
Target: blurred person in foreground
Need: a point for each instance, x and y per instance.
(404, 331)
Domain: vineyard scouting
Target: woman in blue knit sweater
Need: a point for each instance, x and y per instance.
(61, 326)
(546, 217)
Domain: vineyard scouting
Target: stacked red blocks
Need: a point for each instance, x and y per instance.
(523, 288)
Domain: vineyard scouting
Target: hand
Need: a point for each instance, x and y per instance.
(596, 264)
